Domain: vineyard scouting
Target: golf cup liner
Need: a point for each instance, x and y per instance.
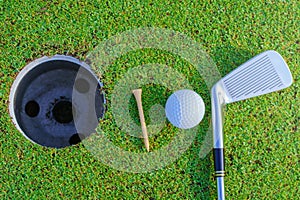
(56, 101)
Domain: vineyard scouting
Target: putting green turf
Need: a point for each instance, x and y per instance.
(261, 134)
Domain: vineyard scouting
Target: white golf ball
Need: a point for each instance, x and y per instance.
(185, 109)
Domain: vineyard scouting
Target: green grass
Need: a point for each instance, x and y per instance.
(261, 134)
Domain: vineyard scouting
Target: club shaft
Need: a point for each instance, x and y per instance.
(220, 185)
(217, 115)
(217, 121)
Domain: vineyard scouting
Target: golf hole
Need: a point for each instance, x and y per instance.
(32, 108)
(53, 99)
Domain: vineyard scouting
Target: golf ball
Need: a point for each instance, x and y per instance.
(185, 109)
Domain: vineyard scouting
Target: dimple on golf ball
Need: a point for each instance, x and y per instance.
(185, 109)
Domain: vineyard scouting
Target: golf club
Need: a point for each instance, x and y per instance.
(264, 73)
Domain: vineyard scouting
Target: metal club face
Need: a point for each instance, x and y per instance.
(265, 73)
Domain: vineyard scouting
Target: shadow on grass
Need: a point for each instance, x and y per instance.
(201, 170)
(228, 58)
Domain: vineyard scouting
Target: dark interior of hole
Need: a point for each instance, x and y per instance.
(32, 108)
(63, 112)
(75, 139)
(81, 85)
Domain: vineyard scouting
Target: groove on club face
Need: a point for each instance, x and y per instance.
(263, 74)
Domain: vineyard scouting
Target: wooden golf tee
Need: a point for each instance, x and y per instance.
(138, 97)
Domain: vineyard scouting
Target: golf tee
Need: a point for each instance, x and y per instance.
(138, 97)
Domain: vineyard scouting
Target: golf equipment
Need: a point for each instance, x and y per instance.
(138, 97)
(265, 73)
(185, 109)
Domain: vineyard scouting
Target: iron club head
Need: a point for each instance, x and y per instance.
(263, 74)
